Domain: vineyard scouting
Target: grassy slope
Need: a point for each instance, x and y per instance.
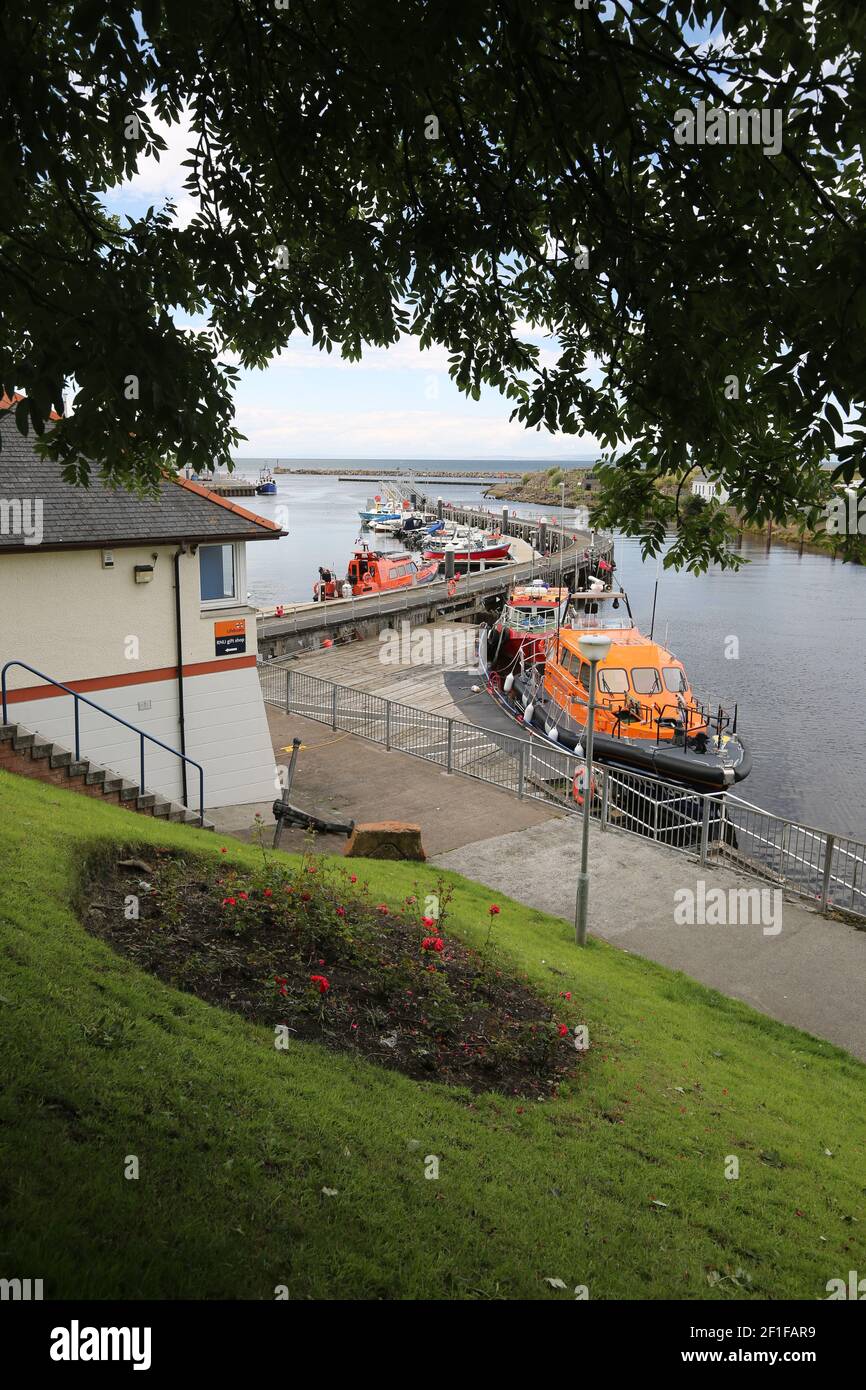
(236, 1140)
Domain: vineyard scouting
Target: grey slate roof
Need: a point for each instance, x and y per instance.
(100, 517)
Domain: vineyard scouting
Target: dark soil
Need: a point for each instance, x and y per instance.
(314, 954)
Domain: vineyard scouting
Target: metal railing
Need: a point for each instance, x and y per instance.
(78, 699)
(716, 827)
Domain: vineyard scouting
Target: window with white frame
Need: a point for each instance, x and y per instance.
(221, 571)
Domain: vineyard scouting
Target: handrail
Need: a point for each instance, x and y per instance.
(142, 735)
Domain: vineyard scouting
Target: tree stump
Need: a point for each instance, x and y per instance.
(386, 839)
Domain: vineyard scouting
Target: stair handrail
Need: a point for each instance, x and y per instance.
(142, 734)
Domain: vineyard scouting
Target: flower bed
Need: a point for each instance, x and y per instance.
(313, 955)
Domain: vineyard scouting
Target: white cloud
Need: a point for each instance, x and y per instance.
(272, 431)
(160, 179)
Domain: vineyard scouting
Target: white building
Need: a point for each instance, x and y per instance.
(710, 490)
(139, 604)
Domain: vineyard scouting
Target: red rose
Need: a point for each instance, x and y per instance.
(341, 912)
(428, 921)
(228, 902)
(321, 982)
(563, 1029)
(269, 892)
(494, 909)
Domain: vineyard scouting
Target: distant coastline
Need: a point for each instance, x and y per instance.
(506, 468)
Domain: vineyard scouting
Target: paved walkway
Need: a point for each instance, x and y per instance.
(812, 974)
(348, 778)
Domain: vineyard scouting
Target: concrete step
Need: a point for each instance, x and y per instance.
(36, 748)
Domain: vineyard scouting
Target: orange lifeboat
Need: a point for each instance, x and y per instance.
(376, 572)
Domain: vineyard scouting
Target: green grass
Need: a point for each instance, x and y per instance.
(236, 1140)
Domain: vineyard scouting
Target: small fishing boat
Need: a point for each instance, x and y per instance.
(647, 718)
(266, 485)
(532, 614)
(469, 547)
(375, 572)
(377, 510)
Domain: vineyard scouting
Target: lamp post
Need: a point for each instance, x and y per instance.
(594, 647)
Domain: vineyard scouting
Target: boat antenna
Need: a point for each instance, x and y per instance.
(655, 594)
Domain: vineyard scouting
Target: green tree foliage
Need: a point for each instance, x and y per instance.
(452, 170)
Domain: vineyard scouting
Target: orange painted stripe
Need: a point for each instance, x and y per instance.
(160, 673)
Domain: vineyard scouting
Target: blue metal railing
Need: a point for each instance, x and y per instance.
(78, 699)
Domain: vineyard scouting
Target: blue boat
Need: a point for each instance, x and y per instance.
(377, 512)
(266, 484)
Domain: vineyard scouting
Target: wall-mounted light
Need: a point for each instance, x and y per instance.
(143, 574)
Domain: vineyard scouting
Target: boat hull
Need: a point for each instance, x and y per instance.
(664, 761)
(471, 557)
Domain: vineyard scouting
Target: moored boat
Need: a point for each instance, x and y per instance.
(377, 510)
(375, 572)
(266, 485)
(468, 547)
(647, 717)
(532, 615)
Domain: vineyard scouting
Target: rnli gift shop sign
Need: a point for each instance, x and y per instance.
(230, 638)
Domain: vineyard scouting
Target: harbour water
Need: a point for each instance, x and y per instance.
(784, 637)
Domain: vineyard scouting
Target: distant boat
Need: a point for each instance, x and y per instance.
(377, 511)
(266, 484)
(469, 547)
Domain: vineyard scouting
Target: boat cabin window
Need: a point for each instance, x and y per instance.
(612, 680)
(646, 680)
(531, 617)
(583, 675)
(570, 662)
(675, 679)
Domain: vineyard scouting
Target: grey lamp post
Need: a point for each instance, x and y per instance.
(594, 647)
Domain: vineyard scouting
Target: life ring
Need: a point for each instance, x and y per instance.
(452, 587)
(578, 785)
(367, 581)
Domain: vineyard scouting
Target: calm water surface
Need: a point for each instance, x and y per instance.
(799, 621)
